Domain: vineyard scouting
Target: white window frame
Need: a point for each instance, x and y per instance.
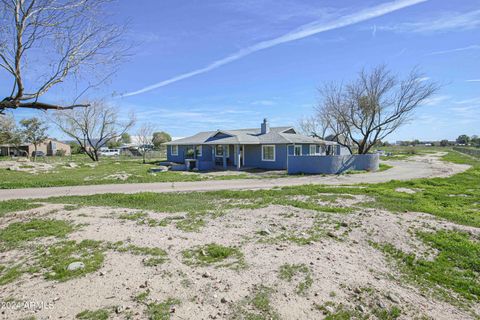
(174, 147)
(223, 147)
(199, 151)
(314, 148)
(263, 153)
(295, 147)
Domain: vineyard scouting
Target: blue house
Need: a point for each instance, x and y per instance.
(264, 147)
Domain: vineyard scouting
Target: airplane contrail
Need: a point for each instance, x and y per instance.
(299, 33)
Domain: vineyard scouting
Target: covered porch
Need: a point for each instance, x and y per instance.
(222, 156)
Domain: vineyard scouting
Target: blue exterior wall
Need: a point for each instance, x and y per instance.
(332, 164)
(253, 157)
(205, 160)
(182, 151)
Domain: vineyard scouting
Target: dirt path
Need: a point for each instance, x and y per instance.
(424, 166)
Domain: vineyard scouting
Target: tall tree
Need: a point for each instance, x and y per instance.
(159, 138)
(463, 139)
(444, 143)
(34, 132)
(7, 129)
(126, 138)
(10, 133)
(370, 108)
(53, 40)
(93, 127)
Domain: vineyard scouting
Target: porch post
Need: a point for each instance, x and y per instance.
(237, 156)
(225, 156)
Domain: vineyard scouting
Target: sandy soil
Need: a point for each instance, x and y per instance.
(423, 166)
(345, 267)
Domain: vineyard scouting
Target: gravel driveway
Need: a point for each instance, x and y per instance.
(424, 166)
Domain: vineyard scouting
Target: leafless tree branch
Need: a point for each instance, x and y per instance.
(52, 40)
(365, 111)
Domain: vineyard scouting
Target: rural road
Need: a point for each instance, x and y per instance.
(425, 166)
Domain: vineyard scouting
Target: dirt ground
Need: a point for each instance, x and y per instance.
(344, 267)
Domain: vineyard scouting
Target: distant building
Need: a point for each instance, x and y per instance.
(49, 147)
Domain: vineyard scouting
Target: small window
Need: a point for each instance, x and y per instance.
(268, 153)
(313, 149)
(174, 150)
(219, 151)
(297, 150)
(199, 151)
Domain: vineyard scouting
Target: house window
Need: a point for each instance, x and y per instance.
(219, 151)
(313, 150)
(199, 151)
(297, 150)
(174, 150)
(268, 153)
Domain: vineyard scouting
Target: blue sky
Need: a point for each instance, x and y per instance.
(206, 65)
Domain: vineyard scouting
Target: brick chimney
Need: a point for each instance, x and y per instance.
(265, 128)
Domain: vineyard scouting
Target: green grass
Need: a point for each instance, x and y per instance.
(9, 274)
(103, 172)
(289, 271)
(343, 312)
(18, 232)
(100, 314)
(256, 306)
(197, 202)
(53, 260)
(142, 296)
(455, 267)
(384, 167)
(157, 256)
(403, 153)
(56, 258)
(161, 311)
(10, 206)
(456, 198)
(213, 254)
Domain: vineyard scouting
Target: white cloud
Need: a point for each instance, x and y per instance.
(304, 31)
(423, 79)
(434, 101)
(449, 21)
(472, 47)
(263, 103)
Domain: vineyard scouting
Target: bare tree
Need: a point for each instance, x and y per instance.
(34, 132)
(145, 139)
(93, 127)
(365, 111)
(51, 40)
(311, 126)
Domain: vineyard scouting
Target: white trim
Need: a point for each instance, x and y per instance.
(223, 147)
(263, 155)
(295, 147)
(171, 150)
